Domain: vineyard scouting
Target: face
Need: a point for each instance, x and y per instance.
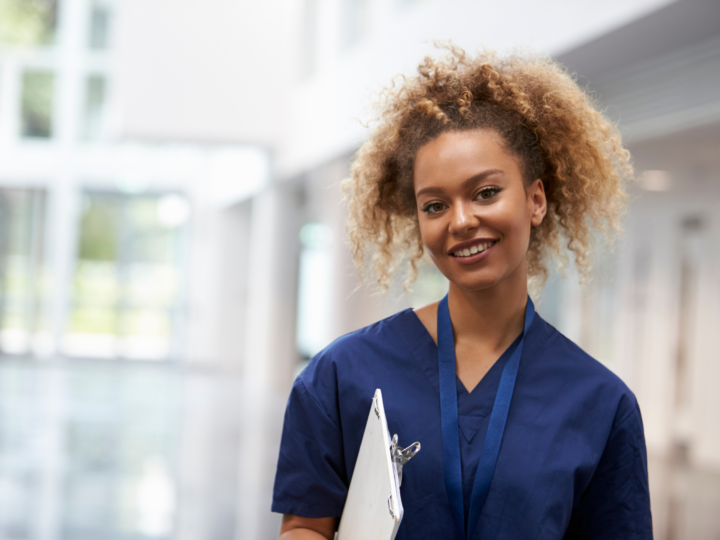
(474, 209)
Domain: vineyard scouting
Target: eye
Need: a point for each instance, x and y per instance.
(433, 207)
(487, 193)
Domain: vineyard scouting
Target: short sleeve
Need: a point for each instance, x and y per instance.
(616, 503)
(311, 479)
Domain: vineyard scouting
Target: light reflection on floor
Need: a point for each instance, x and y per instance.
(101, 451)
(128, 451)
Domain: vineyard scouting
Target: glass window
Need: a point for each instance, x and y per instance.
(127, 279)
(100, 16)
(37, 104)
(28, 22)
(93, 117)
(309, 45)
(355, 19)
(313, 323)
(23, 276)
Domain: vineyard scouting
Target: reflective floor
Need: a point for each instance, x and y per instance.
(120, 451)
(102, 451)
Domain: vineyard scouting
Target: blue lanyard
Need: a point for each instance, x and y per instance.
(449, 414)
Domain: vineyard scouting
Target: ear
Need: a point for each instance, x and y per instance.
(538, 201)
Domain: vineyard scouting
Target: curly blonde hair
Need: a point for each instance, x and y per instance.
(546, 121)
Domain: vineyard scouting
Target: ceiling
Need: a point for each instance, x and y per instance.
(678, 25)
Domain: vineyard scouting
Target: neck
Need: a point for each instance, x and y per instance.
(494, 316)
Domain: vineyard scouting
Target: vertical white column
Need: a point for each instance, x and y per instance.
(61, 228)
(63, 215)
(218, 286)
(69, 80)
(64, 197)
(270, 352)
(345, 296)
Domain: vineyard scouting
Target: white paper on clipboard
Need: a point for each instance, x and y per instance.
(373, 509)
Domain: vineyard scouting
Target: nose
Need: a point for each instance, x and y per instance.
(463, 218)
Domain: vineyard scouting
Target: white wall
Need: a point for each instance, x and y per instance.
(211, 70)
(326, 110)
(222, 70)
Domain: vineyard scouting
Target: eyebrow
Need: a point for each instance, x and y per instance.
(472, 180)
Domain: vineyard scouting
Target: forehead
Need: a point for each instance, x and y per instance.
(458, 155)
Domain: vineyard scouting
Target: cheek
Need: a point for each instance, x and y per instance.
(510, 219)
(431, 235)
(506, 217)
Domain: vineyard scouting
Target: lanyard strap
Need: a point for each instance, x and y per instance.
(449, 420)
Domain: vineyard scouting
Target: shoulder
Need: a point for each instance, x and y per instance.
(362, 351)
(428, 317)
(386, 334)
(578, 373)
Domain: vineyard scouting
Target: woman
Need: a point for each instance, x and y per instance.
(487, 165)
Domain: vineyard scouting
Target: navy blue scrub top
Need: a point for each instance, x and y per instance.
(572, 463)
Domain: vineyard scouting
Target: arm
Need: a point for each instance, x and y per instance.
(616, 504)
(300, 528)
(310, 479)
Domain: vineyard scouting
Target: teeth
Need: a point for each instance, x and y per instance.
(473, 250)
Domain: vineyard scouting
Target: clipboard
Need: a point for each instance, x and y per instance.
(373, 508)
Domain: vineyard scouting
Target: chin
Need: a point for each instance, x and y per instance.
(475, 281)
(476, 284)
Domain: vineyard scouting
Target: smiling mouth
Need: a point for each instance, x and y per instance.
(474, 250)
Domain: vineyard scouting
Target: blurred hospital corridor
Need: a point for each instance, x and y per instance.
(173, 249)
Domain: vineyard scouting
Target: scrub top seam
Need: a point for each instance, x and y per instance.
(412, 351)
(537, 349)
(627, 417)
(427, 336)
(318, 404)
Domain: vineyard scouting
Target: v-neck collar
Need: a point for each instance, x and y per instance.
(422, 347)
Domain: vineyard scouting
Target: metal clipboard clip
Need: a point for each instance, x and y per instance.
(400, 456)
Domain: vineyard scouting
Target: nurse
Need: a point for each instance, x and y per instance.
(489, 165)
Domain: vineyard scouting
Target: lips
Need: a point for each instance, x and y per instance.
(471, 247)
(483, 249)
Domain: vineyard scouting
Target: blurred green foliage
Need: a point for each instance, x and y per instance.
(27, 23)
(99, 230)
(37, 103)
(126, 280)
